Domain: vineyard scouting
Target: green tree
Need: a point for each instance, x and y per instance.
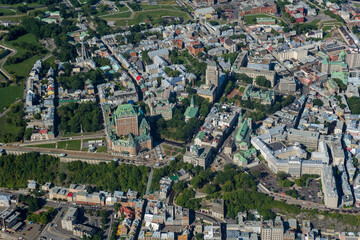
(318, 102)
(262, 81)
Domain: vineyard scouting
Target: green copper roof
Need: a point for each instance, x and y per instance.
(240, 157)
(242, 131)
(200, 135)
(191, 112)
(126, 109)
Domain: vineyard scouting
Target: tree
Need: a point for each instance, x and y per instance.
(228, 186)
(354, 104)
(199, 236)
(74, 116)
(292, 19)
(256, 173)
(243, 78)
(282, 175)
(28, 133)
(318, 102)
(262, 81)
(37, 116)
(211, 188)
(286, 183)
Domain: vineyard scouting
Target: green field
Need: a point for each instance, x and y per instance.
(22, 69)
(8, 128)
(102, 149)
(21, 4)
(117, 15)
(2, 50)
(46, 145)
(251, 19)
(13, 18)
(93, 139)
(8, 95)
(153, 14)
(326, 28)
(123, 8)
(70, 145)
(149, 7)
(6, 12)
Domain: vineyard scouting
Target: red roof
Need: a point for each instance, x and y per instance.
(70, 194)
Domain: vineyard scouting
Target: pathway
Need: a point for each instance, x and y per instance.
(149, 181)
(8, 109)
(13, 52)
(133, 14)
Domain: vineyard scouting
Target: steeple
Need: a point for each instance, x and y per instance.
(192, 104)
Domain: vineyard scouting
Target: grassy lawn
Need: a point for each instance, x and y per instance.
(315, 22)
(93, 139)
(117, 15)
(46, 145)
(50, 60)
(251, 19)
(70, 145)
(70, 134)
(102, 149)
(148, 7)
(8, 127)
(22, 69)
(6, 12)
(123, 8)
(167, 2)
(35, 4)
(2, 50)
(8, 95)
(13, 18)
(145, 15)
(326, 28)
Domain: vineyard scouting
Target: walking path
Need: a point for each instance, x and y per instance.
(149, 181)
(2, 61)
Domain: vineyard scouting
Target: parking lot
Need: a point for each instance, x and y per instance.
(28, 231)
(311, 192)
(270, 181)
(93, 143)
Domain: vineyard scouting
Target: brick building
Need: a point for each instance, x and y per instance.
(254, 9)
(127, 129)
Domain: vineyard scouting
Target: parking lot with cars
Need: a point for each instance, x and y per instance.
(271, 182)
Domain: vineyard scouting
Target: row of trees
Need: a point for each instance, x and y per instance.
(243, 200)
(43, 2)
(108, 176)
(16, 170)
(74, 117)
(77, 81)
